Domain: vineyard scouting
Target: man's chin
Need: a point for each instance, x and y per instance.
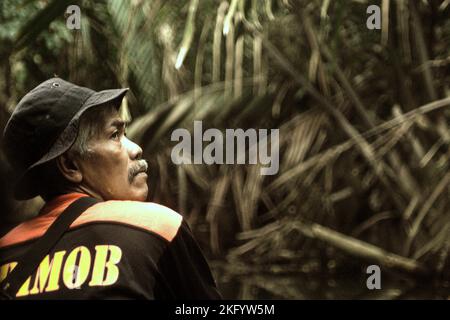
(133, 193)
(141, 194)
(140, 183)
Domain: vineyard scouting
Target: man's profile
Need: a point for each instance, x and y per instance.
(68, 142)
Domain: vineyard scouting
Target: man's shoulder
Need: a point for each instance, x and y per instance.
(148, 216)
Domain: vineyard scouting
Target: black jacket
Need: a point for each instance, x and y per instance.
(114, 250)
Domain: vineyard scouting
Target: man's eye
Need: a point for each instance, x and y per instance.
(115, 135)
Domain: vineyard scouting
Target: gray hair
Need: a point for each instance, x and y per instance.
(90, 125)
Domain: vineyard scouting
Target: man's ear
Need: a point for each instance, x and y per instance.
(69, 168)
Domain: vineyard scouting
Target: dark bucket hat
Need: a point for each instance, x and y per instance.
(44, 125)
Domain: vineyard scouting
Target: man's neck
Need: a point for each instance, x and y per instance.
(86, 190)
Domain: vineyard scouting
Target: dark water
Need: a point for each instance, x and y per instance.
(306, 286)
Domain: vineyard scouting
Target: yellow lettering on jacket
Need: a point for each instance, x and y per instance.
(47, 275)
(71, 270)
(102, 265)
(74, 275)
(6, 269)
(24, 289)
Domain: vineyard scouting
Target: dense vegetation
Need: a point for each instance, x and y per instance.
(363, 117)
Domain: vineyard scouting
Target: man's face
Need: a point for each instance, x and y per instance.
(112, 167)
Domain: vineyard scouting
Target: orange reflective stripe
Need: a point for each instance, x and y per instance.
(144, 215)
(37, 226)
(60, 203)
(24, 232)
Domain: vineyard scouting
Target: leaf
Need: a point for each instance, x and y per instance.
(40, 22)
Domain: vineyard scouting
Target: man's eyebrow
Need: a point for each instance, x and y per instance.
(118, 123)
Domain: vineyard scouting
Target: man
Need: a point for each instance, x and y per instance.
(68, 142)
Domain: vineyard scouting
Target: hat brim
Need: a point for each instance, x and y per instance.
(24, 189)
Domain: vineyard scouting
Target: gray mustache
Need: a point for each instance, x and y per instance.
(140, 166)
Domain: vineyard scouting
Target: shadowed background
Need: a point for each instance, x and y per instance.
(363, 118)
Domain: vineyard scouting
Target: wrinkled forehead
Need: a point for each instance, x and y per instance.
(101, 118)
(112, 119)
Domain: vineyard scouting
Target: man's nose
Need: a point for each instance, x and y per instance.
(134, 150)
